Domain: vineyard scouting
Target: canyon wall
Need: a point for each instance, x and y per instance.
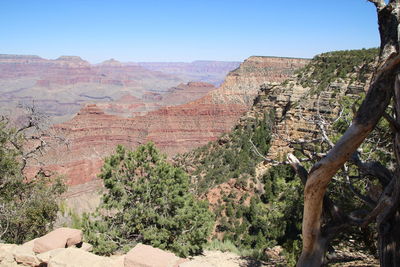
(239, 86)
(62, 86)
(93, 134)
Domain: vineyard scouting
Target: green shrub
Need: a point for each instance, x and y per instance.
(27, 208)
(147, 201)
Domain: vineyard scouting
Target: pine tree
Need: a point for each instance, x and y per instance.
(147, 201)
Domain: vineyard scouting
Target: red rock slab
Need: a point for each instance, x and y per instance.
(59, 238)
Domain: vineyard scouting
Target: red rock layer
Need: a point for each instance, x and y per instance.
(184, 93)
(59, 87)
(94, 134)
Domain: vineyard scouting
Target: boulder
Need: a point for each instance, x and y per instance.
(59, 238)
(147, 256)
(9, 263)
(85, 246)
(29, 244)
(25, 255)
(6, 255)
(118, 261)
(196, 263)
(75, 257)
(46, 256)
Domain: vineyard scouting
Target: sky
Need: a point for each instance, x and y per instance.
(184, 30)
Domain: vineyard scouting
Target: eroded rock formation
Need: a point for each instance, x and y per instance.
(94, 134)
(60, 87)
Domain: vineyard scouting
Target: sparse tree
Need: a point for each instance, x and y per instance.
(28, 207)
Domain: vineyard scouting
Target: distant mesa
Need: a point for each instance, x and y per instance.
(91, 109)
(111, 62)
(7, 56)
(200, 84)
(128, 98)
(70, 58)
(72, 61)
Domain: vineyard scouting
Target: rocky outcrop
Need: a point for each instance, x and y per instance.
(301, 101)
(147, 256)
(76, 254)
(239, 85)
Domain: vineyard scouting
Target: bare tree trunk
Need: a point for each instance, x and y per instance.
(389, 242)
(372, 109)
(389, 221)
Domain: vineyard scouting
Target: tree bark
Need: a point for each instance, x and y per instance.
(389, 245)
(389, 221)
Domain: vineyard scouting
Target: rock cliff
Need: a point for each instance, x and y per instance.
(239, 84)
(315, 93)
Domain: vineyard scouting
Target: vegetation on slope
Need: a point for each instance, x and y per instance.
(351, 65)
(255, 217)
(231, 157)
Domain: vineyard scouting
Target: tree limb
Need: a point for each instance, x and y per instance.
(380, 4)
(369, 113)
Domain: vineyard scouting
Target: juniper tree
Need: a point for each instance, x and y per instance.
(148, 201)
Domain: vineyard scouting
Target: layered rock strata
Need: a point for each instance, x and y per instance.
(60, 87)
(93, 134)
(239, 86)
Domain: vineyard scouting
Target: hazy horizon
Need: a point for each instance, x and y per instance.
(138, 62)
(184, 31)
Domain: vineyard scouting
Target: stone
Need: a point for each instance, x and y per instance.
(29, 244)
(46, 256)
(25, 255)
(75, 257)
(59, 238)
(85, 246)
(118, 261)
(9, 263)
(274, 253)
(196, 263)
(147, 256)
(6, 252)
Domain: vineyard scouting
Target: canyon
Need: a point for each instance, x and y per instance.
(60, 87)
(93, 133)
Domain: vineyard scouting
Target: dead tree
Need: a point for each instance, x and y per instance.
(24, 139)
(384, 88)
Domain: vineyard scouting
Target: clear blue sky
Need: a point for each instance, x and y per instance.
(184, 30)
